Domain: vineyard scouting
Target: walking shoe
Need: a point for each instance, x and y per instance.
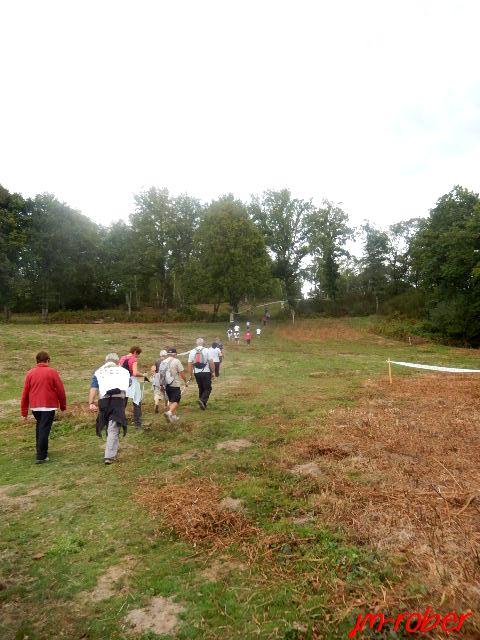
(174, 418)
(201, 404)
(167, 415)
(108, 461)
(41, 461)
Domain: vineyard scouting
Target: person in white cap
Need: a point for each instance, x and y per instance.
(159, 394)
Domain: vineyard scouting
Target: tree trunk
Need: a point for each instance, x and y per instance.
(137, 305)
(292, 311)
(376, 303)
(128, 300)
(6, 312)
(45, 303)
(216, 307)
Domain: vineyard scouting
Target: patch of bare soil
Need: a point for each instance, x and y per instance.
(193, 510)
(19, 502)
(160, 616)
(189, 455)
(234, 445)
(232, 504)
(111, 583)
(410, 482)
(308, 469)
(221, 568)
(324, 330)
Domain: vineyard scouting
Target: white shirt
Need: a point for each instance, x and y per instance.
(206, 357)
(112, 376)
(214, 354)
(236, 328)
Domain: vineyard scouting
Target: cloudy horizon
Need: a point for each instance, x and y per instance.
(375, 105)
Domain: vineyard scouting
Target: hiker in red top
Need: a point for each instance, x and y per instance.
(43, 392)
(135, 391)
(248, 337)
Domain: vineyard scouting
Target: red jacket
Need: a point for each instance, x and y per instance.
(42, 388)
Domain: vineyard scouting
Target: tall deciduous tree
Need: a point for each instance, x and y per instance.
(62, 255)
(328, 232)
(14, 220)
(284, 224)
(375, 261)
(230, 259)
(446, 253)
(150, 249)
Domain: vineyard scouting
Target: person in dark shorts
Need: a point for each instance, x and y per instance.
(170, 373)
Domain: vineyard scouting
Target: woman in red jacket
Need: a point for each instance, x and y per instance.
(44, 393)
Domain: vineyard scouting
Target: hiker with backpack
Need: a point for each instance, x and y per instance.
(159, 390)
(110, 382)
(216, 354)
(135, 391)
(201, 364)
(170, 372)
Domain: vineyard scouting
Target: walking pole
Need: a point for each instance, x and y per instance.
(390, 371)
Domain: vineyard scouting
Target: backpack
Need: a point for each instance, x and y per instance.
(125, 363)
(165, 375)
(199, 361)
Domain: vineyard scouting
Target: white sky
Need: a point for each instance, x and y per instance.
(374, 103)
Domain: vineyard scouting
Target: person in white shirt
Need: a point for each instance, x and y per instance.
(216, 354)
(201, 364)
(110, 382)
(258, 331)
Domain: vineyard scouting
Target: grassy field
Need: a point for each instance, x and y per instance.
(254, 519)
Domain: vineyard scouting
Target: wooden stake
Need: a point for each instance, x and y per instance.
(390, 371)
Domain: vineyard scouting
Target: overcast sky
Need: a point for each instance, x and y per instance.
(373, 103)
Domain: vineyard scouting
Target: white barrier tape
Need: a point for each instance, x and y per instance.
(433, 368)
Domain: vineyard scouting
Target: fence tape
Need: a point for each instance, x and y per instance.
(433, 368)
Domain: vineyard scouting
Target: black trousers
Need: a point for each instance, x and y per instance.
(204, 382)
(44, 424)
(137, 413)
(217, 369)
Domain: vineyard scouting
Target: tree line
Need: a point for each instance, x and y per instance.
(176, 251)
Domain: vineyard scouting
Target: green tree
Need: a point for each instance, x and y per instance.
(119, 277)
(61, 256)
(230, 259)
(400, 238)
(14, 221)
(328, 231)
(374, 274)
(151, 223)
(283, 221)
(446, 254)
(186, 215)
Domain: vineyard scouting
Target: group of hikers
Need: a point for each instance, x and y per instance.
(113, 384)
(233, 333)
(120, 379)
